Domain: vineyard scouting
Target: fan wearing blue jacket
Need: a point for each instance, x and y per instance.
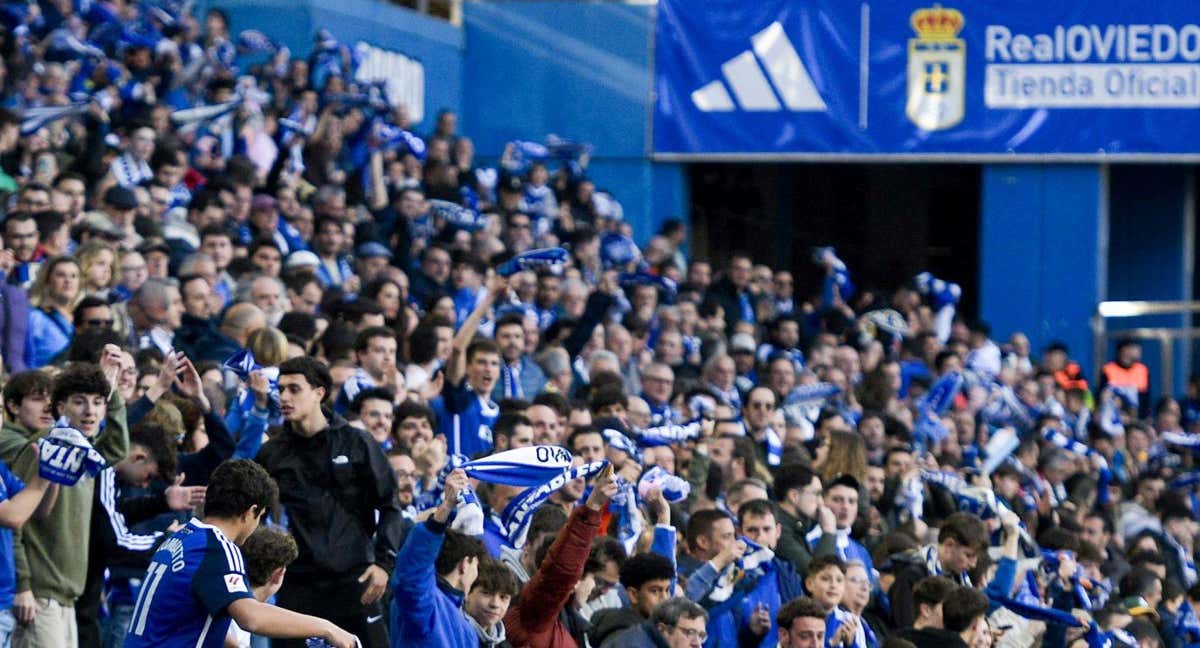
(434, 571)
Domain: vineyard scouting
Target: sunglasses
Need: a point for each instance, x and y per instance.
(98, 322)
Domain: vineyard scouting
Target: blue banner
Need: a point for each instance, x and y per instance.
(911, 78)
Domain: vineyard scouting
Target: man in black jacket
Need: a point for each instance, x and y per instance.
(339, 498)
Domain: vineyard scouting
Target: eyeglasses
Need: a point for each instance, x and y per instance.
(691, 633)
(405, 475)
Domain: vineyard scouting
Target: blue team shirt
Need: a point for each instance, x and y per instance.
(10, 485)
(465, 419)
(185, 596)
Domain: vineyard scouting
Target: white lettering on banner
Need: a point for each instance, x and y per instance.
(404, 76)
(1092, 86)
(1094, 43)
(1093, 66)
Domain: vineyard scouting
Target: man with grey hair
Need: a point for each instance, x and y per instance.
(676, 623)
(556, 364)
(603, 360)
(267, 293)
(151, 316)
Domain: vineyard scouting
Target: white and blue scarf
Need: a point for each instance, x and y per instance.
(65, 455)
(242, 364)
(754, 564)
(674, 489)
(545, 259)
(515, 517)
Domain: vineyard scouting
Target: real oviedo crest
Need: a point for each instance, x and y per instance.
(937, 69)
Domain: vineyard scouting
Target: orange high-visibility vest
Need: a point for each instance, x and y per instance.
(1136, 376)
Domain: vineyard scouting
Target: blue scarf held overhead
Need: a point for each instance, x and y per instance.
(515, 517)
(457, 216)
(674, 489)
(548, 259)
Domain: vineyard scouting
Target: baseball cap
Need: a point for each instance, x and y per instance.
(97, 223)
(372, 249)
(262, 201)
(154, 244)
(742, 343)
(120, 197)
(302, 259)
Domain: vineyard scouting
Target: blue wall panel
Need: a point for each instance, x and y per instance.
(1042, 252)
(1150, 254)
(580, 71)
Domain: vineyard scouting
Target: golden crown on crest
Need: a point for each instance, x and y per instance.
(937, 23)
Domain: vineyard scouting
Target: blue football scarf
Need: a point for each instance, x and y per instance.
(929, 428)
(545, 259)
(34, 119)
(1081, 585)
(1000, 446)
(1065, 442)
(468, 512)
(1005, 409)
(674, 489)
(662, 435)
(530, 466)
(774, 447)
(294, 126)
(973, 499)
(515, 517)
(526, 150)
(565, 149)
(394, 138)
(65, 455)
(242, 364)
(354, 385)
(1182, 439)
(816, 393)
(457, 216)
(200, 114)
(617, 440)
(754, 564)
(618, 251)
(253, 41)
(624, 508)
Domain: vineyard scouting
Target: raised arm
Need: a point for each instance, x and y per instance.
(456, 365)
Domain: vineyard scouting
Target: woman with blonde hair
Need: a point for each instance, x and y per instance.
(250, 414)
(52, 299)
(96, 262)
(269, 346)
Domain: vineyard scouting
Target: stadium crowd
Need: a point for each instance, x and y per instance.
(317, 372)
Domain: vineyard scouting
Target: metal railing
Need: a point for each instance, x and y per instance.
(1166, 336)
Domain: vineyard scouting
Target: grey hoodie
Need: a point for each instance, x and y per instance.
(488, 637)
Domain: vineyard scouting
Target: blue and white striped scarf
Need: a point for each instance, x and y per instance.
(754, 564)
(515, 517)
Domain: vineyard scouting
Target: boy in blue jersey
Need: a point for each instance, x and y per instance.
(465, 409)
(197, 583)
(18, 501)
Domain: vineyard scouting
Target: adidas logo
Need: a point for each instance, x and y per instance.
(788, 79)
